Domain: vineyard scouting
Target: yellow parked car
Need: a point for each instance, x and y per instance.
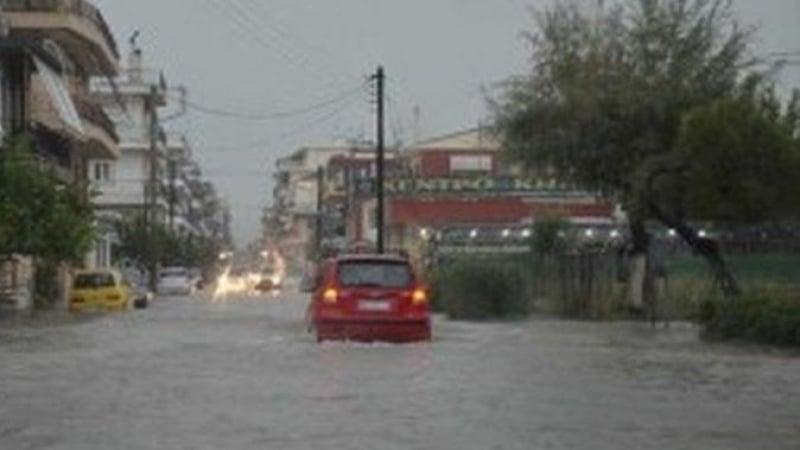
(101, 289)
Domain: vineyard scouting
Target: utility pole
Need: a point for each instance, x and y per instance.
(152, 193)
(320, 200)
(380, 78)
(172, 169)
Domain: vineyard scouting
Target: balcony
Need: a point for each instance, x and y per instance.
(101, 138)
(76, 25)
(132, 81)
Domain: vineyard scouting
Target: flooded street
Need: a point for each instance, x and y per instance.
(191, 374)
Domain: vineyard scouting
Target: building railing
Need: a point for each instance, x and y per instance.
(80, 8)
(132, 77)
(92, 112)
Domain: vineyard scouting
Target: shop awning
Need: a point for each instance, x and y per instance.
(60, 96)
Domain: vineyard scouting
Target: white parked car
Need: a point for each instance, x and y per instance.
(175, 281)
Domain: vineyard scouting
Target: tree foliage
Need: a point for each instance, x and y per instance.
(171, 248)
(548, 234)
(743, 160)
(41, 216)
(650, 103)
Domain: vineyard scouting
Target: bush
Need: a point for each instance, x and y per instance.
(683, 297)
(766, 317)
(480, 290)
(435, 279)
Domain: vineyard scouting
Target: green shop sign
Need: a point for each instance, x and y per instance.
(465, 185)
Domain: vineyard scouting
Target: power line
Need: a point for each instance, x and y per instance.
(244, 25)
(269, 21)
(241, 146)
(247, 16)
(316, 122)
(275, 115)
(245, 22)
(783, 54)
(253, 31)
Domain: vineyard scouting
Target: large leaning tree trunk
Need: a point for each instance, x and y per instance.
(664, 194)
(706, 248)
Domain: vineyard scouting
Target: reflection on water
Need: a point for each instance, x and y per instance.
(243, 372)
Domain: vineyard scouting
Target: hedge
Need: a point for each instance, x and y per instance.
(766, 318)
(480, 289)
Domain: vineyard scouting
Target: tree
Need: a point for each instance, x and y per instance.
(548, 234)
(737, 160)
(626, 100)
(41, 216)
(134, 238)
(171, 248)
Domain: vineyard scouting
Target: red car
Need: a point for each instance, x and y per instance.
(369, 297)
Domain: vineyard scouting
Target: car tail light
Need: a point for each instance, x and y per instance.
(330, 296)
(419, 297)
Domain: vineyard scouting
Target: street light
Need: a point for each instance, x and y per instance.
(474, 233)
(526, 233)
(506, 233)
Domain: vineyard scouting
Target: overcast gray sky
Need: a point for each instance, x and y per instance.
(263, 56)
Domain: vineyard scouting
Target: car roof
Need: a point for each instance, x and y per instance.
(97, 271)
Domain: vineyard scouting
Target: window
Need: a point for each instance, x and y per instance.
(174, 272)
(94, 280)
(103, 172)
(470, 164)
(374, 274)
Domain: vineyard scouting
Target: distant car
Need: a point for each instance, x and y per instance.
(175, 281)
(265, 284)
(196, 277)
(368, 297)
(268, 281)
(102, 289)
(233, 281)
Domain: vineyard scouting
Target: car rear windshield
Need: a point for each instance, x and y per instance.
(174, 273)
(93, 280)
(388, 274)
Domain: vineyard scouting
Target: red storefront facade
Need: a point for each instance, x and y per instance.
(462, 180)
(436, 212)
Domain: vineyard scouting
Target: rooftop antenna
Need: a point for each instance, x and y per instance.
(133, 38)
(417, 124)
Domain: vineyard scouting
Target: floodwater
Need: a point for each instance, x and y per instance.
(189, 373)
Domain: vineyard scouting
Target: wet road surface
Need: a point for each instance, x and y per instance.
(191, 374)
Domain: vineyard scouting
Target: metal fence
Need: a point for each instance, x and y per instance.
(575, 284)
